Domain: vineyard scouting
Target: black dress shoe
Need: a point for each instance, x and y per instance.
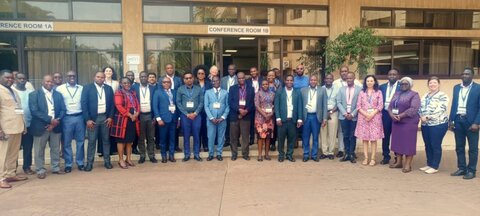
(142, 160)
(172, 159)
(88, 168)
(197, 158)
(291, 159)
(353, 160)
(68, 169)
(322, 156)
(305, 159)
(316, 159)
(384, 162)
(178, 149)
(345, 158)
(459, 173)
(205, 149)
(209, 158)
(331, 157)
(59, 172)
(219, 158)
(280, 159)
(164, 160)
(273, 148)
(246, 157)
(469, 175)
(153, 160)
(340, 154)
(108, 165)
(81, 167)
(185, 159)
(234, 157)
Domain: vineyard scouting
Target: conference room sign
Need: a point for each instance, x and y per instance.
(25, 26)
(238, 30)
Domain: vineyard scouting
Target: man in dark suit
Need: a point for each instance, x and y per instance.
(145, 94)
(241, 101)
(388, 90)
(48, 109)
(464, 122)
(254, 81)
(176, 82)
(315, 114)
(97, 107)
(288, 111)
(227, 82)
(166, 118)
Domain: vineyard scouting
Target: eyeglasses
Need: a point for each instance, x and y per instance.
(166, 82)
(299, 68)
(188, 78)
(404, 84)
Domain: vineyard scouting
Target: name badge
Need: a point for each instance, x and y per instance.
(349, 108)
(268, 110)
(242, 103)
(216, 105)
(190, 104)
(308, 106)
(395, 111)
(386, 105)
(462, 110)
(171, 108)
(102, 106)
(19, 111)
(370, 110)
(330, 107)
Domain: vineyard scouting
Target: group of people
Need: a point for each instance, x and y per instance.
(123, 115)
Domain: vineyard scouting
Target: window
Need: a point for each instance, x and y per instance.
(408, 18)
(261, 15)
(377, 18)
(43, 10)
(6, 9)
(439, 19)
(297, 45)
(166, 13)
(214, 14)
(97, 11)
(406, 56)
(467, 19)
(316, 17)
(436, 56)
(383, 58)
(269, 54)
(184, 52)
(465, 54)
(8, 51)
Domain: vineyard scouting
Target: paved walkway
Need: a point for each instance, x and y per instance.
(247, 188)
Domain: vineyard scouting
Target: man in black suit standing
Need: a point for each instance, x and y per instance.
(48, 109)
(145, 94)
(97, 107)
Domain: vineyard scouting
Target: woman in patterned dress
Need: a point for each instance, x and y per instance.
(434, 117)
(264, 119)
(369, 124)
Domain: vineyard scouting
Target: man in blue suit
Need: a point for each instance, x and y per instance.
(145, 94)
(97, 107)
(388, 90)
(288, 111)
(216, 108)
(465, 121)
(242, 102)
(166, 117)
(48, 109)
(176, 82)
(315, 114)
(347, 114)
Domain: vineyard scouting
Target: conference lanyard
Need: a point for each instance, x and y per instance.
(429, 99)
(74, 93)
(464, 96)
(312, 95)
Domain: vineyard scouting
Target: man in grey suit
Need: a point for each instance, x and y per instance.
(346, 103)
(231, 79)
(288, 111)
(315, 110)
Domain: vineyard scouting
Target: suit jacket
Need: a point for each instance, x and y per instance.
(39, 109)
(249, 82)
(152, 89)
(90, 101)
(342, 102)
(383, 89)
(280, 105)
(224, 82)
(11, 123)
(211, 98)
(176, 80)
(322, 99)
(207, 85)
(234, 101)
(160, 106)
(473, 104)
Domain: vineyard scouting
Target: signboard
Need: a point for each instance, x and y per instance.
(25, 26)
(238, 30)
(133, 59)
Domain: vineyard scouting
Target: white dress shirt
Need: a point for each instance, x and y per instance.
(71, 96)
(389, 94)
(50, 103)
(463, 98)
(145, 103)
(102, 105)
(312, 100)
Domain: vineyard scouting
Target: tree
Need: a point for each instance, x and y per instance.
(353, 47)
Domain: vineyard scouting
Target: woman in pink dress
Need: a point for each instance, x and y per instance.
(369, 123)
(264, 119)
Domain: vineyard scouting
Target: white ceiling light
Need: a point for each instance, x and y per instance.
(230, 51)
(226, 54)
(247, 38)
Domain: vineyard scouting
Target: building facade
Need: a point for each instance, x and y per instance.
(425, 37)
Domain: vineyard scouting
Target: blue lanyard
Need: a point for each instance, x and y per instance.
(429, 99)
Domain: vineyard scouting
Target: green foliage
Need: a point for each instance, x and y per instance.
(312, 58)
(356, 46)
